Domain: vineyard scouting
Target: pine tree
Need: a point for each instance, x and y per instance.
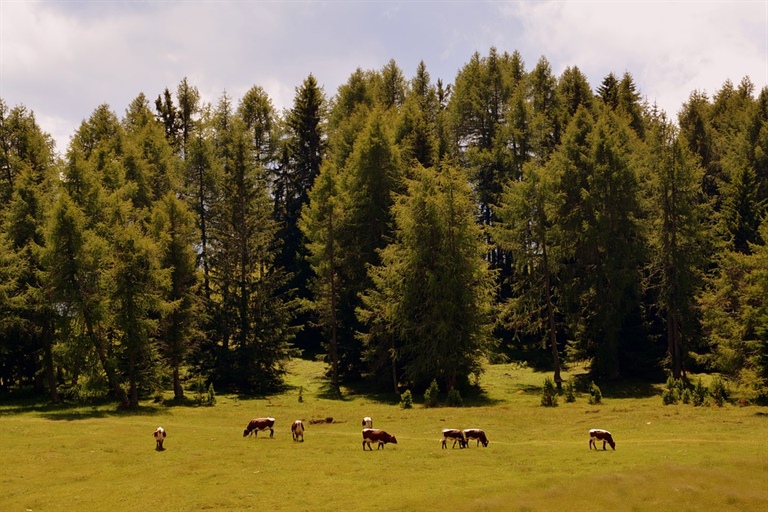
(677, 238)
(430, 305)
(322, 223)
(598, 217)
(182, 315)
(253, 308)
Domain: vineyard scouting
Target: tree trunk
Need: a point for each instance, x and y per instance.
(178, 390)
(109, 368)
(50, 372)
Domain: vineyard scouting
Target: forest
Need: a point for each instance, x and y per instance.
(402, 230)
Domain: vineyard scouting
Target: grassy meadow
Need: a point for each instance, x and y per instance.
(93, 458)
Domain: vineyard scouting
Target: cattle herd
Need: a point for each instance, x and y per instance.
(381, 438)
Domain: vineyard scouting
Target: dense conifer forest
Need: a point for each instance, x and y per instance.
(403, 230)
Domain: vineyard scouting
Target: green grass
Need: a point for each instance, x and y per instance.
(667, 457)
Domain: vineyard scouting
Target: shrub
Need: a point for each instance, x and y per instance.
(301, 394)
(595, 395)
(570, 391)
(406, 399)
(549, 397)
(686, 398)
(673, 392)
(719, 391)
(211, 395)
(431, 394)
(199, 388)
(454, 398)
(700, 393)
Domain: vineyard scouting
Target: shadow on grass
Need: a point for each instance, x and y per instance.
(72, 411)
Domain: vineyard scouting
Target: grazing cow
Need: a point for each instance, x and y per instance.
(476, 433)
(367, 422)
(297, 429)
(260, 424)
(374, 435)
(159, 438)
(456, 435)
(598, 434)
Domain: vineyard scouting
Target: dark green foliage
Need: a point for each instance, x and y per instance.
(699, 394)
(406, 399)
(453, 399)
(549, 394)
(595, 395)
(719, 391)
(431, 395)
(421, 226)
(673, 392)
(570, 391)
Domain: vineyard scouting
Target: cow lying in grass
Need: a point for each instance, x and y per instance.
(159, 438)
(260, 424)
(374, 435)
(297, 430)
(477, 434)
(455, 435)
(598, 434)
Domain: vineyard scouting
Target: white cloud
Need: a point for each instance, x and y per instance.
(670, 48)
(63, 59)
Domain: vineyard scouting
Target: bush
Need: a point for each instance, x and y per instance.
(301, 394)
(431, 394)
(211, 395)
(549, 397)
(570, 391)
(673, 392)
(595, 395)
(454, 398)
(700, 393)
(719, 391)
(406, 399)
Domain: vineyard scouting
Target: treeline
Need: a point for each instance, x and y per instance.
(404, 230)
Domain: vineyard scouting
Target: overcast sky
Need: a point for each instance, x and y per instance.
(61, 59)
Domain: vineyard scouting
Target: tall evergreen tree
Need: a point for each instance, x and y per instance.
(528, 231)
(598, 216)
(322, 222)
(429, 309)
(182, 315)
(254, 309)
(304, 151)
(677, 238)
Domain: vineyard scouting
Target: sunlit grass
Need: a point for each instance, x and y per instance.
(667, 457)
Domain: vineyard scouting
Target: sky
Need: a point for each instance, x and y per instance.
(62, 59)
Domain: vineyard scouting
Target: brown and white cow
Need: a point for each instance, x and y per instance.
(159, 438)
(477, 434)
(297, 430)
(260, 424)
(367, 422)
(455, 435)
(374, 435)
(598, 434)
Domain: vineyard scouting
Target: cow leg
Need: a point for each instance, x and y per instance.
(271, 433)
(443, 443)
(603, 445)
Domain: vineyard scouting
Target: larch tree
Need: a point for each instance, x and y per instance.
(677, 238)
(430, 306)
(322, 223)
(182, 316)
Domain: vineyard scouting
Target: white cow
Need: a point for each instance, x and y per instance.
(297, 429)
(367, 422)
(159, 438)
